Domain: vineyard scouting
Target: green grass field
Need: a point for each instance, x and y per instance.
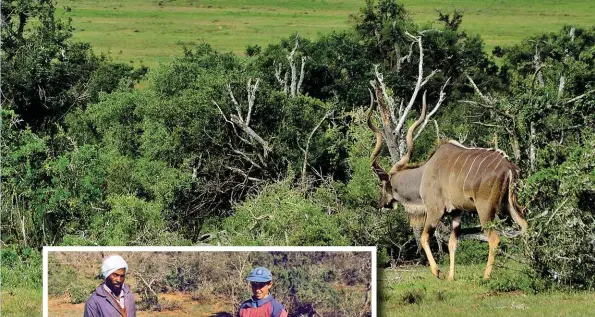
(416, 292)
(24, 302)
(150, 31)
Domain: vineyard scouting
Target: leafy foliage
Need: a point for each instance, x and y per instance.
(272, 218)
(563, 197)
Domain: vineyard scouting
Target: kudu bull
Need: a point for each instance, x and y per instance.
(454, 179)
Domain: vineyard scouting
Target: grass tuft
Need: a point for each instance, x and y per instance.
(414, 296)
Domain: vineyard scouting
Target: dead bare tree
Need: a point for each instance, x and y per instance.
(292, 87)
(240, 125)
(393, 117)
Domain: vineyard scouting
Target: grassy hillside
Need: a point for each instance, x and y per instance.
(150, 31)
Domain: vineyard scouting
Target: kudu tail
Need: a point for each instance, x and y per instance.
(513, 208)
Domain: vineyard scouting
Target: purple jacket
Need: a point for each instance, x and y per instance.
(99, 305)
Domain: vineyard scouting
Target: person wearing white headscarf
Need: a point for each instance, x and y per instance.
(112, 298)
(111, 264)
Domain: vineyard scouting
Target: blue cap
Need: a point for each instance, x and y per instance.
(260, 274)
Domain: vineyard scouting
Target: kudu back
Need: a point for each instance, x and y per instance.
(453, 180)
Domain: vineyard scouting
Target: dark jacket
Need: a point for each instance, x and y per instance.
(266, 307)
(99, 305)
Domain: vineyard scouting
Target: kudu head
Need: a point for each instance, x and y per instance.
(387, 195)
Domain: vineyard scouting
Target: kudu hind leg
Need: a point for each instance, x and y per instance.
(452, 243)
(432, 220)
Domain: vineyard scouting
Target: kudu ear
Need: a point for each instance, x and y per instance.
(380, 172)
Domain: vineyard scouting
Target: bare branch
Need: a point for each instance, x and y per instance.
(234, 101)
(308, 144)
(394, 148)
(406, 58)
(429, 77)
(221, 112)
(537, 65)
(561, 86)
(579, 97)
(418, 85)
(487, 125)
(488, 100)
(293, 68)
(245, 157)
(147, 284)
(299, 84)
(390, 108)
(434, 110)
(252, 134)
(251, 96)
(241, 172)
(283, 82)
(231, 123)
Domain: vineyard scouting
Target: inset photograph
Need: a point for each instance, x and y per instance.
(230, 281)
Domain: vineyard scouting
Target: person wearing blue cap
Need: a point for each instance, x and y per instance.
(262, 304)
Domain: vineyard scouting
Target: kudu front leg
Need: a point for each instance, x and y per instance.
(452, 243)
(425, 244)
(432, 219)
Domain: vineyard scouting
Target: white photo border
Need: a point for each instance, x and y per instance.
(371, 249)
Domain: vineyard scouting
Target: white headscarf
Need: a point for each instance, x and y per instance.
(111, 264)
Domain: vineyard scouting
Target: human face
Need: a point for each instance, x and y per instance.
(260, 289)
(115, 281)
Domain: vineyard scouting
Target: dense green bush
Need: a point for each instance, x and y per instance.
(515, 279)
(80, 292)
(21, 267)
(274, 216)
(562, 204)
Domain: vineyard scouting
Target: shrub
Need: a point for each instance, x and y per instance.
(561, 243)
(204, 293)
(21, 267)
(514, 280)
(274, 215)
(79, 291)
(169, 304)
(468, 252)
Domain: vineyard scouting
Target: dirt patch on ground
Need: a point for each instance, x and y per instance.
(61, 306)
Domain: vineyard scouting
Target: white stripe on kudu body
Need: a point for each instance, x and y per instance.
(463, 166)
(451, 173)
(497, 158)
(479, 166)
(469, 172)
